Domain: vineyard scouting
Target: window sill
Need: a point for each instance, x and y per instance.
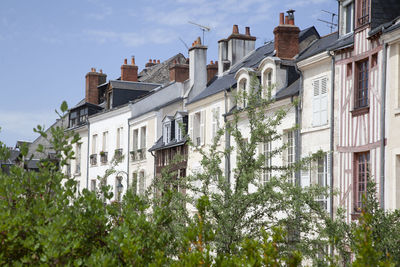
(396, 112)
(360, 111)
(77, 174)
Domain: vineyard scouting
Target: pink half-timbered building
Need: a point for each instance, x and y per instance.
(358, 99)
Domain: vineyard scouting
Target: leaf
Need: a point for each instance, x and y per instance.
(64, 106)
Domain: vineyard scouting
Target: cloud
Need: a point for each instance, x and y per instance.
(132, 39)
(102, 12)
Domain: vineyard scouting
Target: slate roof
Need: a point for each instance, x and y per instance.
(383, 11)
(318, 46)
(291, 90)
(343, 42)
(142, 86)
(160, 144)
(159, 73)
(252, 60)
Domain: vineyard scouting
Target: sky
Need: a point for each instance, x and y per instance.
(47, 46)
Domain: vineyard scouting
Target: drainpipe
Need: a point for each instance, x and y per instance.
(332, 136)
(127, 159)
(88, 157)
(227, 142)
(383, 108)
(298, 123)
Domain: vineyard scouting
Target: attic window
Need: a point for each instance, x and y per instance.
(178, 127)
(243, 92)
(267, 83)
(363, 12)
(167, 132)
(346, 14)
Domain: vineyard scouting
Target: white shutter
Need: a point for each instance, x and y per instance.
(323, 101)
(305, 178)
(191, 117)
(316, 103)
(202, 127)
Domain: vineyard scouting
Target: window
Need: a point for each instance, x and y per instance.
(243, 92)
(167, 132)
(94, 144)
(118, 188)
(363, 12)
(83, 115)
(78, 188)
(141, 183)
(93, 185)
(135, 139)
(290, 153)
(78, 159)
(346, 24)
(266, 149)
(178, 127)
(73, 119)
(143, 137)
(374, 60)
(134, 182)
(361, 92)
(349, 70)
(361, 170)
(267, 83)
(215, 121)
(105, 137)
(197, 127)
(119, 137)
(322, 178)
(320, 102)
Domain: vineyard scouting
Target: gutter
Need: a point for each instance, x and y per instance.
(298, 123)
(227, 142)
(332, 132)
(88, 157)
(383, 108)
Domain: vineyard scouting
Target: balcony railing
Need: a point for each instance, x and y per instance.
(103, 157)
(93, 159)
(138, 154)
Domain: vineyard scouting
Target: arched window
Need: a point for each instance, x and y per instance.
(267, 83)
(243, 92)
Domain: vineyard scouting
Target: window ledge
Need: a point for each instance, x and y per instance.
(77, 174)
(315, 128)
(396, 112)
(360, 111)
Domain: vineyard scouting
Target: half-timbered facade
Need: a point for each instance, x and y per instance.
(358, 100)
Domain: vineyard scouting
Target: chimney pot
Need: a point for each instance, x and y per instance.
(125, 61)
(281, 18)
(248, 31)
(198, 41)
(133, 61)
(94, 69)
(154, 61)
(149, 60)
(235, 29)
(158, 61)
(211, 62)
(286, 20)
(101, 71)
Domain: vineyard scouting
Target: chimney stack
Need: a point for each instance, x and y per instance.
(178, 72)
(129, 72)
(197, 66)
(212, 70)
(286, 37)
(93, 79)
(234, 48)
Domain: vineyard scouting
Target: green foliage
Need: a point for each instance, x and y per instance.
(207, 219)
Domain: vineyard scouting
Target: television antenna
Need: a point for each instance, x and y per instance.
(184, 43)
(202, 27)
(331, 24)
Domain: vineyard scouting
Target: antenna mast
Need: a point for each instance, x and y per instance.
(331, 24)
(202, 27)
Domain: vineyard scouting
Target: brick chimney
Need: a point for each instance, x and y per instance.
(232, 49)
(212, 70)
(129, 72)
(286, 36)
(197, 66)
(179, 72)
(93, 79)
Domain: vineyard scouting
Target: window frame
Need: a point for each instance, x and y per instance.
(361, 160)
(361, 93)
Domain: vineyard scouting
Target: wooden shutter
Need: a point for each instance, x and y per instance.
(202, 127)
(316, 103)
(323, 101)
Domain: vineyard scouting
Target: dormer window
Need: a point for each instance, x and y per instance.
(267, 83)
(167, 132)
(243, 93)
(178, 127)
(346, 17)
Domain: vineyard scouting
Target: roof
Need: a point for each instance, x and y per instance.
(292, 90)
(160, 144)
(142, 86)
(83, 103)
(343, 42)
(159, 73)
(318, 46)
(383, 11)
(252, 60)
